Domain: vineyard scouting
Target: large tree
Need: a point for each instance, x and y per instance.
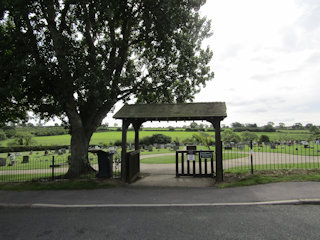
(78, 58)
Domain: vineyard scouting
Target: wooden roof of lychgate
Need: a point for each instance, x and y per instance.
(173, 111)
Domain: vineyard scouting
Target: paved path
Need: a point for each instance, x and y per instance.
(167, 195)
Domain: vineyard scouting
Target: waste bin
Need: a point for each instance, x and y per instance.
(105, 162)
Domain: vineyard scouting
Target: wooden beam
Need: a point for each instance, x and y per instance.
(125, 125)
(136, 125)
(219, 163)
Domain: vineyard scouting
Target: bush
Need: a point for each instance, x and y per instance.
(155, 138)
(9, 131)
(248, 136)
(145, 141)
(264, 138)
(118, 143)
(228, 136)
(3, 135)
(171, 129)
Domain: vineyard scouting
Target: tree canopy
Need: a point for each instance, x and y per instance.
(76, 59)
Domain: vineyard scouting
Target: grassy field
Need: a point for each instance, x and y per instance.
(100, 138)
(103, 137)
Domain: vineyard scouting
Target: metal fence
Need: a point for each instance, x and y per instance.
(270, 156)
(44, 166)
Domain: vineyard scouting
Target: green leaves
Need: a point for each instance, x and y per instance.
(88, 55)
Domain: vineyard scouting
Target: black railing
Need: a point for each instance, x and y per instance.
(45, 166)
(270, 156)
(195, 163)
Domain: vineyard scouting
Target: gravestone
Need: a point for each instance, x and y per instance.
(25, 159)
(240, 147)
(150, 148)
(63, 150)
(3, 162)
(18, 154)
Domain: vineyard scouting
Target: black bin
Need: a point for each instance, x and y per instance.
(105, 162)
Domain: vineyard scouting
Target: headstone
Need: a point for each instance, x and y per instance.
(240, 147)
(3, 162)
(25, 159)
(111, 149)
(157, 146)
(62, 150)
(150, 148)
(18, 154)
(162, 146)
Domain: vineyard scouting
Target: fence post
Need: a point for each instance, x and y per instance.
(52, 168)
(251, 156)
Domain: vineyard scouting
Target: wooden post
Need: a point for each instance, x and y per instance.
(136, 126)
(125, 125)
(219, 166)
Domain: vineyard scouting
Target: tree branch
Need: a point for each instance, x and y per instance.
(63, 25)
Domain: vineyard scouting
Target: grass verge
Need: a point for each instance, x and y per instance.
(244, 178)
(62, 185)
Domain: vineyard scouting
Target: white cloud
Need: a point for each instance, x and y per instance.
(266, 60)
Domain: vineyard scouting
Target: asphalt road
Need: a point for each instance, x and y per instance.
(220, 222)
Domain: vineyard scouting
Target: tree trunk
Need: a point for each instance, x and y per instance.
(79, 153)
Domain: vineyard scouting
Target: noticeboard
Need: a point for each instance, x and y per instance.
(206, 155)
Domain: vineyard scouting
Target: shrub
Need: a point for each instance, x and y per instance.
(228, 136)
(155, 138)
(145, 141)
(264, 138)
(3, 135)
(171, 129)
(118, 143)
(9, 131)
(248, 136)
(160, 139)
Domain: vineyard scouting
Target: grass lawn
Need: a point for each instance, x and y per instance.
(310, 165)
(244, 178)
(27, 177)
(62, 185)
(100, 138)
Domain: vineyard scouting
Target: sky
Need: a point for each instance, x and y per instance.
(266, 61)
